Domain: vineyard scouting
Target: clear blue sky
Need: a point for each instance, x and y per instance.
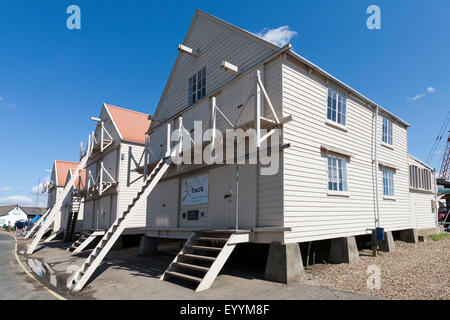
(52, 80)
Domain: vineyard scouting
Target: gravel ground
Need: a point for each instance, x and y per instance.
(412, 271)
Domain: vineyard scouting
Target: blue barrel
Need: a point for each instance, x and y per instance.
(380, 233)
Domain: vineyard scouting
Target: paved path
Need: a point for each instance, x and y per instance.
(14, 282)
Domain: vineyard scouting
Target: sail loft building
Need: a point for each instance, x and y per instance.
(112, 179)
(338, 162)
(343, 160)
(61, 173)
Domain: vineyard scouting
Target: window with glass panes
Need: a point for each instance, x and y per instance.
(420, 178)
(197, 86)
(388, 182)
(387, 131)
(337, 173)
(337, 107)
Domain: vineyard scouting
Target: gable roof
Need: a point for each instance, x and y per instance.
(275, 47)
(4, 210)
(61, 170)
(420, 161)
(32, 211)
(229, 26)
(131, 125)
(80, 181)
(29, 211)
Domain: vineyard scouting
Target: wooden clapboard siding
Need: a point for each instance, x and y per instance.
(130, 183)
(216, 42)
(162, 205)
(420, 201)
(308, 209)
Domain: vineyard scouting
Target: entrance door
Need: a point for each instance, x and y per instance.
(221, 196)
(222, 204)
(102, 211)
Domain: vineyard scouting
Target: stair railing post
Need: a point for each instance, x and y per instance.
(168, 136)
(180, 135)
(100, 183)
(145, 157)
(257, 107)
(101, 137)
(213, 122)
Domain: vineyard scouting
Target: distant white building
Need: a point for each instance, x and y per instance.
(9, 215)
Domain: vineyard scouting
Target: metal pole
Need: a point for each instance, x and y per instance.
(37, 197)
(376, 169)
(237, 196)
(377, 222)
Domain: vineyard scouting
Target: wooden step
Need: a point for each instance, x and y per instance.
(184, 276)
(212, 239)
(204, 248)
(190, 266)
(196, 256)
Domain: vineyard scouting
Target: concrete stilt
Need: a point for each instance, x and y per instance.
(148, 246)
(387, 244)
(284, 263)
(343, 250)
(409, 235)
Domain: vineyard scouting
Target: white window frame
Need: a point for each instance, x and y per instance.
(420, 178)
(197, 86)
(388, 182)
(337, 107)
(387, 131)
(337, 178)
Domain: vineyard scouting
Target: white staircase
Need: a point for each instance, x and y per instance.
(53, 236)
(111, 236)
(203, 256)
(84, 240)
(56, 209)
(37, 224)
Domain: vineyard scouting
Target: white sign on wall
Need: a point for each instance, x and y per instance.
(194, 190)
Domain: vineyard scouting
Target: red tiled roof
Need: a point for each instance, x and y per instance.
(80, 180)
(132, 125)
(62, 169)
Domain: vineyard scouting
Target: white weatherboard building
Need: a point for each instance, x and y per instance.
(72, 208)
(328, 179)
(61, 172)
(343, 160)
(112, 179)
(423, 194)
(9, 215)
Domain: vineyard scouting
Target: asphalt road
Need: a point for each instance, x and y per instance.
(15, 284)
